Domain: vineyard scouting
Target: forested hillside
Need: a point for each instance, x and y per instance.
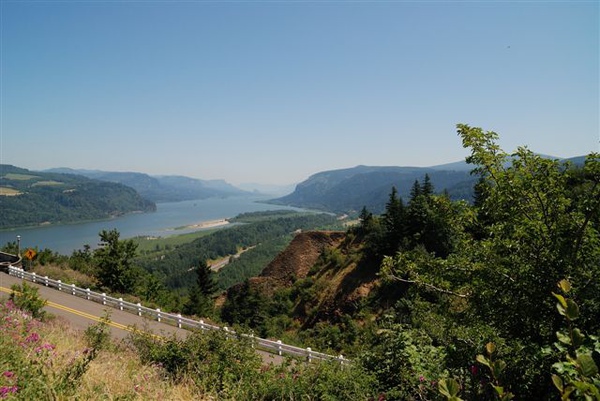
(349, 190)
(33, 198)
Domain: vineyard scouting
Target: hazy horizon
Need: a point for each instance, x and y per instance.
(274, 92)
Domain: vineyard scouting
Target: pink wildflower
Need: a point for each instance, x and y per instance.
(474, 370)
(6, 390)
(32, 338)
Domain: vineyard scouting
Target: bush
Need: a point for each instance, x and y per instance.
(26, 298)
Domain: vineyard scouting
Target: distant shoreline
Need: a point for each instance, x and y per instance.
(205, 224)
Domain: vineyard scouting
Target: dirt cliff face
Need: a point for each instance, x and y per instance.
(296, 260)
(302, 253)
(337, 288)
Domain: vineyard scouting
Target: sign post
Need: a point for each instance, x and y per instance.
(29, 255)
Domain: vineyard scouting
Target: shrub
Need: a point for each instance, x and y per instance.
(26, 297)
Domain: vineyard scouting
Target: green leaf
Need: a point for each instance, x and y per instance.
(578, 338)
(449, 388)
(567, 393)
(498, 367)
(483, 360)
(490, 348)
(563, 338)
(558, 383)
(564, 285)
(572, 311)
(561, 301)
(586, 365)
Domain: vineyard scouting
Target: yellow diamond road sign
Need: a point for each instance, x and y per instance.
(29, 254)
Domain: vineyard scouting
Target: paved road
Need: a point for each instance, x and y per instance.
(82, 313)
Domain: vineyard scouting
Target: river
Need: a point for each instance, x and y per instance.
(167, 220)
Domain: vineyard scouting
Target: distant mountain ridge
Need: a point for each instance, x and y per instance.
(169, 188)
(349, 190)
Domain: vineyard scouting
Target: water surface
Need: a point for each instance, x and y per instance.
(168, 217)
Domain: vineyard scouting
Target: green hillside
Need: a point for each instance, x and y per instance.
(33, 198)
(349, 190)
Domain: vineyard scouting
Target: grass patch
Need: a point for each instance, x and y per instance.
(149, 245)
(20, 177)
(47, 184)
(67, 276)
(5, 191)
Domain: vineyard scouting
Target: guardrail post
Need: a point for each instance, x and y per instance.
(226, 330)
(46, 280)
(103, 298)
(72, 289)
(139, 305)
(341, 358)
(308, 354)
(158, 315)
(201, 324)
(87, 293)
(252, 340)
(179, 320)
(59, 285)
(279, 351)
(33, 276)
(121, 303)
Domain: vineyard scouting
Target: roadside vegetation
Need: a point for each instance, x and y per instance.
(41, 358)
(434, 299)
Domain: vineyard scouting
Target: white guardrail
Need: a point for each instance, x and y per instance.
(274, 347)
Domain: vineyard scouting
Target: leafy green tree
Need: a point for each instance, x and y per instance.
(82, 260)
(114, 260)
(540, 233)
(534, 222)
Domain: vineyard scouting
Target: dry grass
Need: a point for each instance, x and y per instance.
(116, 373)
(67, 276)
(4, 191)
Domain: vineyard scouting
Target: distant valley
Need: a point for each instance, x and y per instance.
(63, 195)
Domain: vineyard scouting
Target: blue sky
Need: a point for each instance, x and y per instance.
(272, 92)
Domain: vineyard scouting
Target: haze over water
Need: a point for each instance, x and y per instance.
(168, 217)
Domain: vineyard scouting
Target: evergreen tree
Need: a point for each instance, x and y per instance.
(246, 307)
(427, 187)
(415, 191)
(366, 219)
(200, 301)
(393, 222)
